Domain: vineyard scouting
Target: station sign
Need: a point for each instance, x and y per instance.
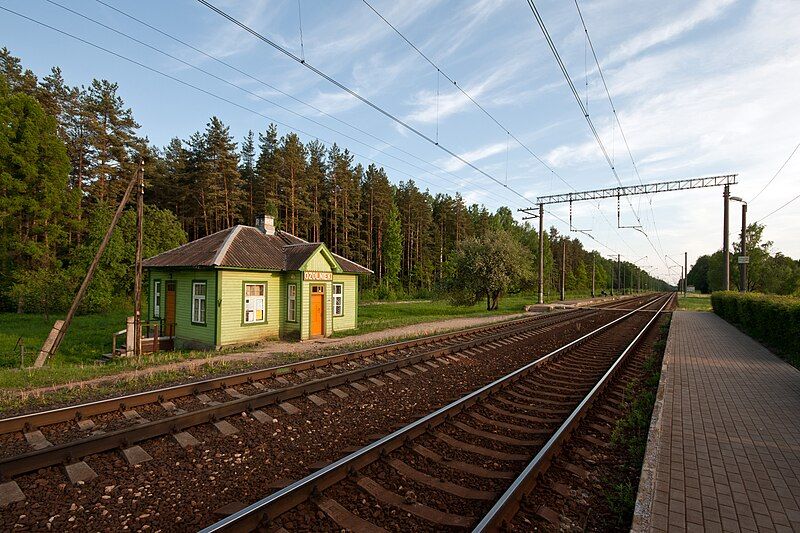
(744, 259)
(317, 276)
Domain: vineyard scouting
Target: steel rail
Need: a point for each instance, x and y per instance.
(84, 410)
(507, 506)
(292, 495)
(107, 405)
(71, 451)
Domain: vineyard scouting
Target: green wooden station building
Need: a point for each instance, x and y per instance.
(249, 283)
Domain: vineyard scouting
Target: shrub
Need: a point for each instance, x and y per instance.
(773, 320)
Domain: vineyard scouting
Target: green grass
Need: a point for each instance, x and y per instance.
(375, 316)
(90, 336)
(694, 302)
(87, 339)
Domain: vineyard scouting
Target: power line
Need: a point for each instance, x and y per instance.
(778, 209)
(562, 66)
(573, 89)
(466, 94)
(260, 97)
(356, 95)
(616, 116)
(776, 174)
(440, 72)
(202, 90)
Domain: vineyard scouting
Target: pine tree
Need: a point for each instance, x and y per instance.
(292, 167)
(247, 171)
(221, 166)
(393, 249)
(266, 193)
(36, 207)
(111, 132)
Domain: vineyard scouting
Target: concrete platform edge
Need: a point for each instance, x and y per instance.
(642, 514)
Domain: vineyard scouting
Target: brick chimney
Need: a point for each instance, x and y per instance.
(266, 224)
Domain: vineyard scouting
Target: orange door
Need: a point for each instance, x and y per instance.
(169, 316)
(317, 314)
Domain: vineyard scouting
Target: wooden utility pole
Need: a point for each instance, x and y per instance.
(137, 288)
(563, 268)
(53, 340)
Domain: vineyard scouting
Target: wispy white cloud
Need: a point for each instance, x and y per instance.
(703, 11)
(227, 39)
(429, 107)
(453, 164)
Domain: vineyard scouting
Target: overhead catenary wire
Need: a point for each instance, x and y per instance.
(778, 209)
(509, 133)
(358, 96)
(614, 112)
(466, 94)
(573, 89)
(264, 99)
(201, 90)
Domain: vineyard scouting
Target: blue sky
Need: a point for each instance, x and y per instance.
(701, 87)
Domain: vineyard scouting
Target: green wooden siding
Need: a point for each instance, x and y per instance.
(317, 263)
(349, 304)
(232, 328)
(187, 335)
(291, 329)
(225, 299)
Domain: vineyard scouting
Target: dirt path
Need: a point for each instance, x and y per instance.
(308, 349)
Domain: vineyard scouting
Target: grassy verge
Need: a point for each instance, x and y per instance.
(90, 336)
(630, 433)
(694, 302)
(376, 316)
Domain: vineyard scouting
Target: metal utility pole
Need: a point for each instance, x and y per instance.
(742, 259)
(137, 288)
(619, 275)
(685, 271)
(611, 278)
(56, 335)
(743, 264)
(726, 258)
(563, 269)
(593, 257)
(541, 253)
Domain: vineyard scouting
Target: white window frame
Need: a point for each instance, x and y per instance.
(291, 302)
(157, 298)
(255, 302)
(199, 302)
(338, 299)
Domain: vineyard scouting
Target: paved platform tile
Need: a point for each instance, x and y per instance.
(725, 440)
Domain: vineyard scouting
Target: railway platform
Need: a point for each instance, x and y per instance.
(724, 446)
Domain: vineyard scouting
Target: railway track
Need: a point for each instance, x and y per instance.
(64, 436)
(468, 464)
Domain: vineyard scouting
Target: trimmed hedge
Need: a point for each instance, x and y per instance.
(773, 320)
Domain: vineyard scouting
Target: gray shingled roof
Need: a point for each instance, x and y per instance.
(246, 247)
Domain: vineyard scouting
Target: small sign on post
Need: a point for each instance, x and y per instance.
(744, 259)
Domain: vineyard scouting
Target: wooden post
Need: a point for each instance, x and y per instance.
(60, 328)
(130, 335)
(137, 287)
